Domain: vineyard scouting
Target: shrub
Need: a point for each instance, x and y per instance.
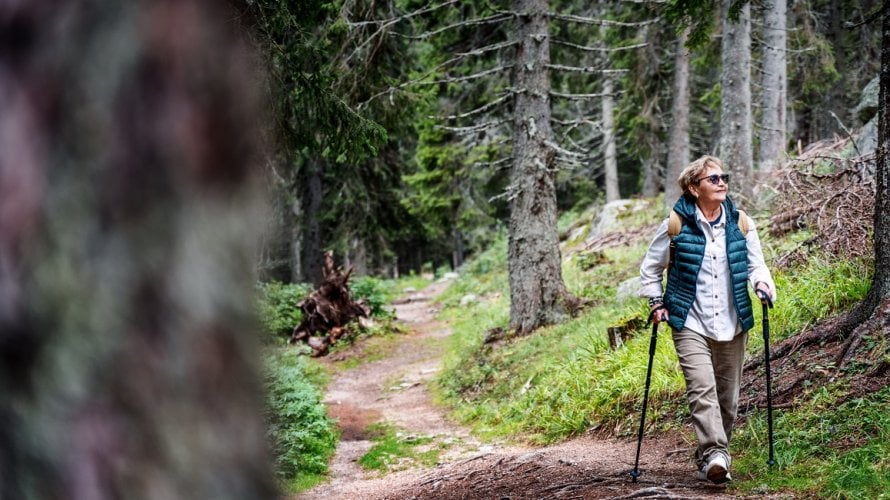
(278, 301)
(376, 292)
(301, 435)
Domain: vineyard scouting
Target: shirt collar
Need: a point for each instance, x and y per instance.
(704, 220)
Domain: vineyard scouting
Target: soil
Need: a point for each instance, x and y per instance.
(395, 390)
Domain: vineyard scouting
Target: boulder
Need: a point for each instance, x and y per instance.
(868, 102)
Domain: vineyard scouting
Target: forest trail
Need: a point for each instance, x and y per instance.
(394, 390)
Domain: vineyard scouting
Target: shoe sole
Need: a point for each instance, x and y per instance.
(718, 475)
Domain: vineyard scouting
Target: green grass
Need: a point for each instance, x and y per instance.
(825, 448)
(394, 450)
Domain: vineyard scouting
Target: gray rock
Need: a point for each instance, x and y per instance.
(868, 103)
(468, 299)
(627, 289)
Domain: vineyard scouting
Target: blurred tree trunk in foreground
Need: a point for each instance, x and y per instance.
(128, 215)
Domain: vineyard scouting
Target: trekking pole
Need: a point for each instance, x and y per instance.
(635, 473)
(769, 392)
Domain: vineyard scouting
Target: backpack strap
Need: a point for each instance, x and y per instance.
(743, 222)
(675, 223)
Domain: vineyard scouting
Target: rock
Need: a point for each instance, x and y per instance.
(409, 289)
(867, 138)
(868, 102)
(628, 289)
(468, 299)
(609, 217)
(451, 275)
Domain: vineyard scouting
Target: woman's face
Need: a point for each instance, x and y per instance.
(705, 191)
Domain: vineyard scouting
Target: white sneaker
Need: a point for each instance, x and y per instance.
(716, 471)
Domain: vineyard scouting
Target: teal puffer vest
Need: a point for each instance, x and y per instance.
(687, 253)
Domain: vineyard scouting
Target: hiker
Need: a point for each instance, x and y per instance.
(710, 256)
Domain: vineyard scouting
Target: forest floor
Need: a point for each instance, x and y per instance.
(393, 389)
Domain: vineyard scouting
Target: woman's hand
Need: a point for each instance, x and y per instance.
(658, 313)
(764, 292)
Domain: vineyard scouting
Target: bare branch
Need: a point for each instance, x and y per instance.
(495, 164)
(576, 97)
(599, 22)
(597, 49)
(453, 60)
(473, 128)
(409, 15)
(565, 152)
(495, 18)
(584, 69)
(483, 108)
(455, 79)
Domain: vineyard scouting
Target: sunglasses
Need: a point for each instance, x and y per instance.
(715, 179)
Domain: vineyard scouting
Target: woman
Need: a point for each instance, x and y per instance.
(706, 303)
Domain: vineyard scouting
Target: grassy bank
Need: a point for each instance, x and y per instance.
(563, 380)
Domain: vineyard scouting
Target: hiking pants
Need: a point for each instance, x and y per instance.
(713, 373)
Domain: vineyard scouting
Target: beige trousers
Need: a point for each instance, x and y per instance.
(713, 373)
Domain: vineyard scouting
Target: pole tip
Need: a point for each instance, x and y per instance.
(634, 474)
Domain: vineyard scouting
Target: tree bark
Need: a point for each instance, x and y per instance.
(735, 99)
(129, 218)
(538, 294)
(678, 142)
(610, 161)
(775, 86)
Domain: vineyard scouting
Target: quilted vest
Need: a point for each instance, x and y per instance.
(687, 253)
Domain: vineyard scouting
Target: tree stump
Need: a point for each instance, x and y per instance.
(623, 331)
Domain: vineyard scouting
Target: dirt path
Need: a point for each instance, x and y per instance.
(394, 390)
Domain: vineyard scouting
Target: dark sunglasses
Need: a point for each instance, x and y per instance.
(715, 179)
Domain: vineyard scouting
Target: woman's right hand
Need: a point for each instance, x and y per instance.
(658, 313)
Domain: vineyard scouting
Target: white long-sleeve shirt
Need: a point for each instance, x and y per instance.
(713, 312)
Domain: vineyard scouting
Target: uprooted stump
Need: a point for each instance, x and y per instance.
(328, 310)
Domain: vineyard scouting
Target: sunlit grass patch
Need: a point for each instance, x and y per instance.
(394, 449)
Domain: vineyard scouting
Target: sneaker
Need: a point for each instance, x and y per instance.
(716, 470)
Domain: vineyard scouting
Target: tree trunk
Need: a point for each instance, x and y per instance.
(313, 254)
(652, 173)
(297, 233)
(735, 99)
(678, 142)
(881, 281)
(538, 295)
(129, 219)
(609, 156)
(457, 255)
(775, 86)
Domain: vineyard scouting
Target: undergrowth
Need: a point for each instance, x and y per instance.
(301, 435)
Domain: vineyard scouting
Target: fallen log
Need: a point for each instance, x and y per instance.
(328, 310)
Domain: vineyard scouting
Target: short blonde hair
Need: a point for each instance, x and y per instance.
(696, 169)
